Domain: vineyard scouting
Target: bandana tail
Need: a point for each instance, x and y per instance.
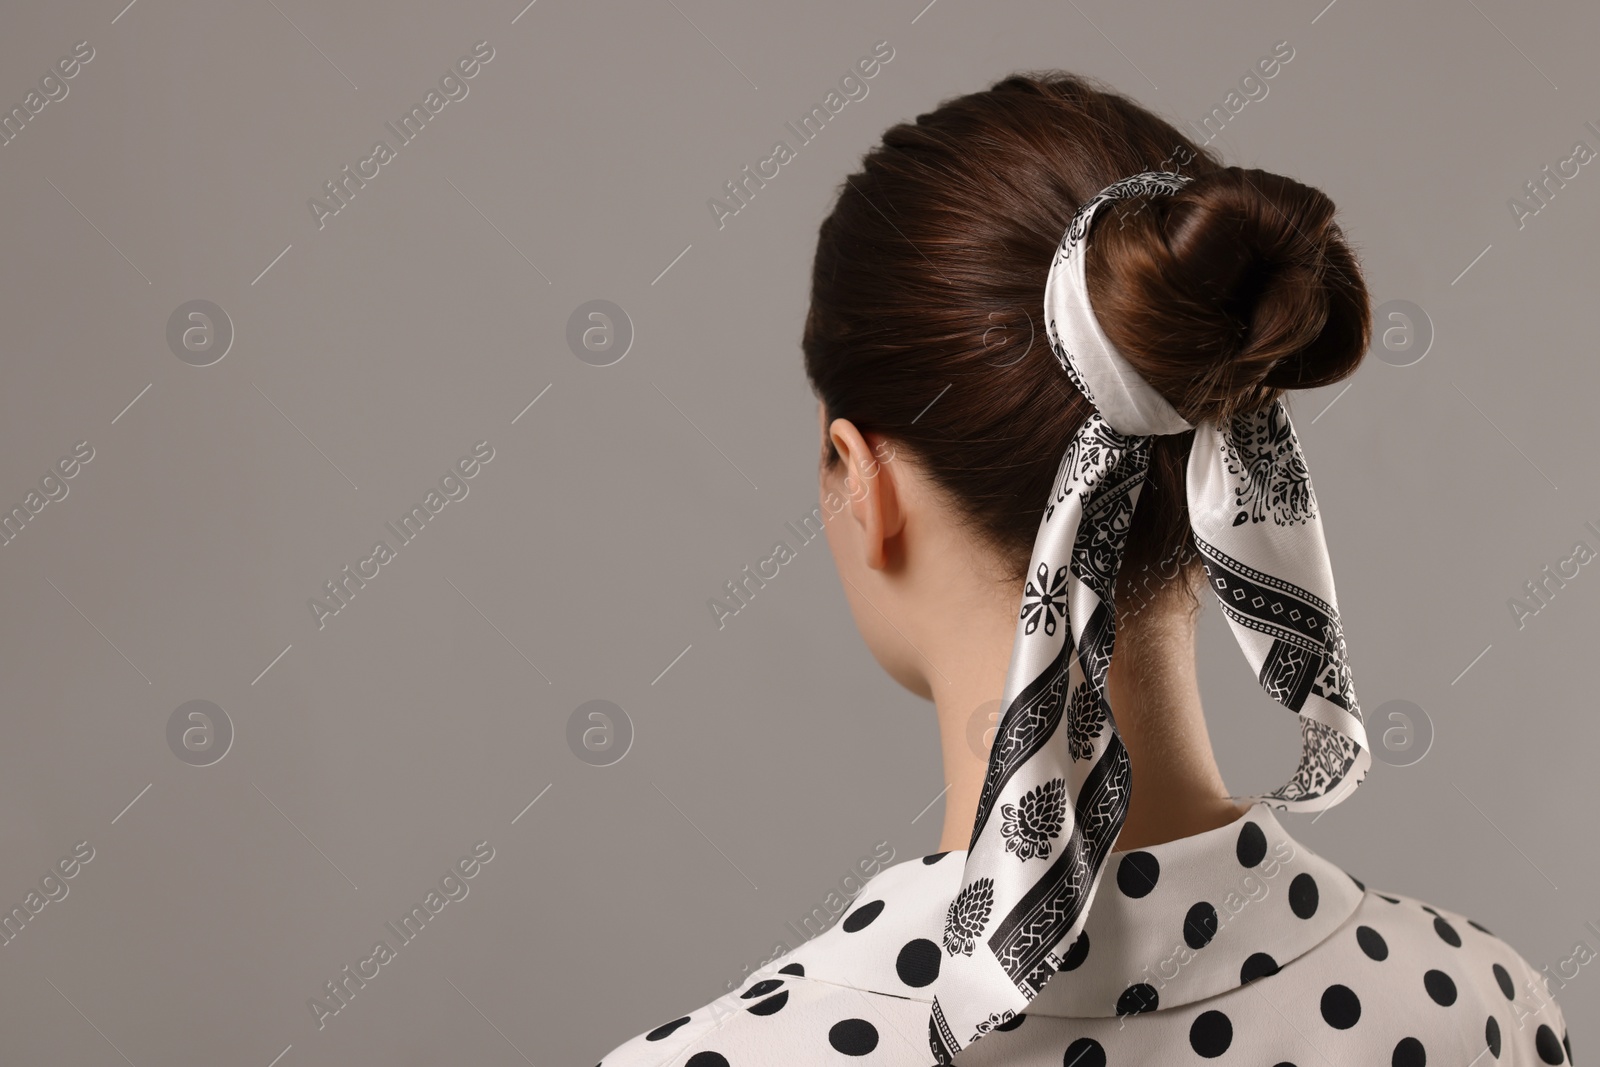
(1057, 788)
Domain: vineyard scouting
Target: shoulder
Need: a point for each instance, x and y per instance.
(677, 1039)
(782, 1018)
(1450, 957)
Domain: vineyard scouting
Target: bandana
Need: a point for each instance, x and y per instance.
(1056, 791)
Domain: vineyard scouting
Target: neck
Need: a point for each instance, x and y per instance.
(1154, 694)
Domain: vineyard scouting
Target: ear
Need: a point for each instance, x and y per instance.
(875, 499)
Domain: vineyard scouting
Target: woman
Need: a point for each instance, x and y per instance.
(1106, 455)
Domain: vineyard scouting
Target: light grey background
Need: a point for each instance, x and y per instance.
(425, 317)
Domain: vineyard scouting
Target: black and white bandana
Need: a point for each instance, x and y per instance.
(1057, 788)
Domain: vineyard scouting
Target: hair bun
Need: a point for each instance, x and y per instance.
(1230, 291)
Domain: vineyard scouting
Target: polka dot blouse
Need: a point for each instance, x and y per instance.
(1237, 946)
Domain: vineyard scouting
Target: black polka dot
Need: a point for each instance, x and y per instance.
(1566, 1046)
(918, 963)
(793, 968)
(1544, 1039)
(1303, 896)
(761, 988)
(1200, 925)
(1285, 1063)
(665, 1029)
(1137, 998)
(1341, 1008)
(771, 1005)
(1077, 953)
(707, 1059)
(1137, 874)
(1011, 1023)
(1409, 1053)
(1390, 899)
(1447, 932)
(1210, 1034)
(1484, 929)
(1440, 986)
(1252, 846)
(1429, 910)
(1084, 1052)
(934, 858)
(1359, 883)
(862, 916)
(1491, 1034)
(1259, 965)
(853, 1037)
(1503, 977)
(1372, 943)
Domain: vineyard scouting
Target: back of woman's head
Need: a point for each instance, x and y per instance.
(929, 279)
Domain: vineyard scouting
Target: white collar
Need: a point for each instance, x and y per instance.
(1228, 904)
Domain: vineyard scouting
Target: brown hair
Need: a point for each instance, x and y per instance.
(929, 278)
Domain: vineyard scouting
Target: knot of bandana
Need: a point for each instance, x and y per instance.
(1057, 787)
